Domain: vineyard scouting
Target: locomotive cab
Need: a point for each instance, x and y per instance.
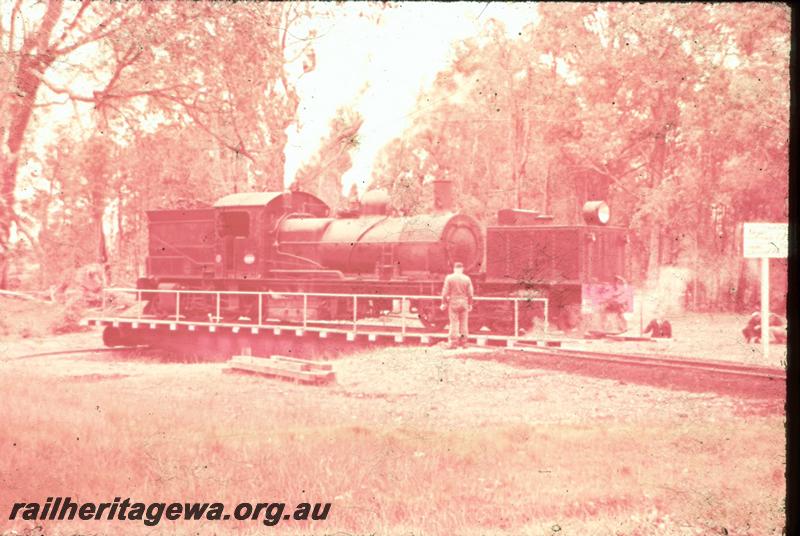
(246, 226)
(238, 251)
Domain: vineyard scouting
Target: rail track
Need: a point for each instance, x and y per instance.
(73, 351)
(727, 368)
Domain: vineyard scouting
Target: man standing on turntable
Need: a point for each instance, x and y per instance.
(457, 294)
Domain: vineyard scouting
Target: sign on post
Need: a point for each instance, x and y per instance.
(765, 241)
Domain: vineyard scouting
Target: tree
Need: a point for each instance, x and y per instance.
(68, 209)
(656, 67)
(322, 175)
(498, 116)
(671, 112)
(220, 68)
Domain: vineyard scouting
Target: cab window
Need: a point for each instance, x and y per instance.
(234, 224)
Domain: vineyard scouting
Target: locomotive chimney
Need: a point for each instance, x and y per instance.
(375, 203)
(443, 195)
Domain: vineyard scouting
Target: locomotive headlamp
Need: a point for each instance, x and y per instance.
(249, 258)
(596, 213)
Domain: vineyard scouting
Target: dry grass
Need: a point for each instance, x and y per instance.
(188, 432)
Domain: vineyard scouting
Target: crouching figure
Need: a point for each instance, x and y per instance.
(777, 328)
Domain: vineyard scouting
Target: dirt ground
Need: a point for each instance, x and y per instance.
(705, 335)
(406, 441)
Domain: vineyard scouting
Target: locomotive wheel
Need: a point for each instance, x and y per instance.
(500, 319)
(116, 337)
(149, 307)
(324, 311)
(112, 337)
(502, 326)
(432, 318)
(250, 312)
(570, 318)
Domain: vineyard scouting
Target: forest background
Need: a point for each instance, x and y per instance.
(676, 114)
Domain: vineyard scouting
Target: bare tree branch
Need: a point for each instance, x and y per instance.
(13, 24)
(74, 22)
(98, 33)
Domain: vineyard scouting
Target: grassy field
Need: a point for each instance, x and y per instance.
(407, 442)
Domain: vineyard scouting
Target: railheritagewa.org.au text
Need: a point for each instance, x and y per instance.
(151, 514)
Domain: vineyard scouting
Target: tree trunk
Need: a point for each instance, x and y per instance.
(123, 263)
(656, 165)
(512, 147)
(741, 285)
(102, 251)
(31, 66)
(547, 183)
(653, 248)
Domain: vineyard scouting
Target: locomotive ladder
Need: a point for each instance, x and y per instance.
(386, 264)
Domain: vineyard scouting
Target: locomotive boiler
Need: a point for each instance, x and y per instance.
(290, 242)
(374, 242)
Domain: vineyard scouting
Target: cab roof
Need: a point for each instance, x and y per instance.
(247, 199)
(278, 202)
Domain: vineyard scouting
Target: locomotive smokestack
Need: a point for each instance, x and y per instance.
(443, 195)
(375, 203)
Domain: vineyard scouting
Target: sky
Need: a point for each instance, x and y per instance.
(380, 68)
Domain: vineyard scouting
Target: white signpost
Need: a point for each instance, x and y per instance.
(765, 241)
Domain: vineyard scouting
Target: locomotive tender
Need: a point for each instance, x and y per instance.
(290, 242)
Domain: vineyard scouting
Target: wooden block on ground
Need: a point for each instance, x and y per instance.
(619, 337)
(313, 365)
(284, 367)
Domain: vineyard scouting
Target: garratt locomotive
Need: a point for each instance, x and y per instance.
(290, 242)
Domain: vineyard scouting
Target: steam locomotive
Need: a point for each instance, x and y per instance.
(290, 242)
